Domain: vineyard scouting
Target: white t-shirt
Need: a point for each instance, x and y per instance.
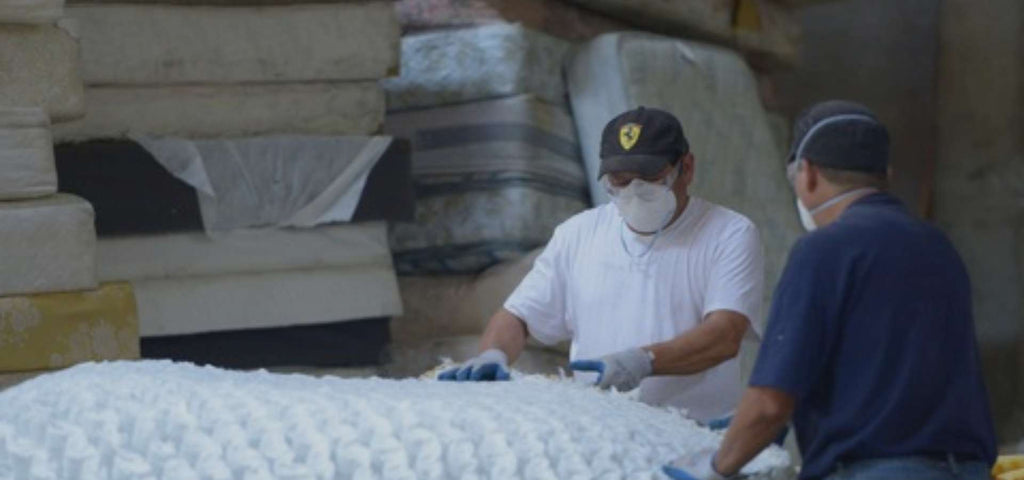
(587, 288)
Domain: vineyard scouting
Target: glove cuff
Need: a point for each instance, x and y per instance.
(494, 355)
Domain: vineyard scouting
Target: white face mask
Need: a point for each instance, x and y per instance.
(646, 207)
(807, 216)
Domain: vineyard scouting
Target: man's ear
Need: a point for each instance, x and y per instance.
(811, 173)
(688, 168)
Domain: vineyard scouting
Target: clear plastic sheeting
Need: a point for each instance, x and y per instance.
(274, 181)
(26, 154)
(30, 11)
(463, 65)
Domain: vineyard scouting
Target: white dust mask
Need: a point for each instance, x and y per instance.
(646, 207)
(807, 216)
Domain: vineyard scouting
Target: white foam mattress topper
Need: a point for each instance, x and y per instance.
(241, 251)
(26, 154)
(124, 44)
(48, 245)
(39, 68)
(210, 111)
(184, 305)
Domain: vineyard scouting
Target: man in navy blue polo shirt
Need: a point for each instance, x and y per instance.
(870, 347)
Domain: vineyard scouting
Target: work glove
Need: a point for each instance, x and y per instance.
(623, 370)
(697, 466)
(489, 365)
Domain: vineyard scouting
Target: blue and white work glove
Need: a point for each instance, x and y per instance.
(489, 365)
(624, 370)
(697, 466)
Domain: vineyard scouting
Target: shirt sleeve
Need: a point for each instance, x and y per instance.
(540, 299)
(797, 338)
(737, 276)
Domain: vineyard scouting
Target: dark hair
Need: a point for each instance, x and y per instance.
(854, 178)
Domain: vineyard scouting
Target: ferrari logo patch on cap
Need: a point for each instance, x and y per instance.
(629, 134)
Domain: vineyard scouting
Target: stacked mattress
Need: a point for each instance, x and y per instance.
(495, 159)
(447, 67)
(53, 310)
(766, 31)
(207, 71)
(553, 17)
(228, 252)
(715, 96)
(239, 184)
(493, 179)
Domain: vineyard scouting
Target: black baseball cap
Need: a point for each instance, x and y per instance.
(642, 141)
(842, 135)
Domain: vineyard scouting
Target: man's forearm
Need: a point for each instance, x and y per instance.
(761, 416)
(506, 332)
(714, 341)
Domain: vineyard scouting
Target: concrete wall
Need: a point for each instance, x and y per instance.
(881, 53)
(980, 182)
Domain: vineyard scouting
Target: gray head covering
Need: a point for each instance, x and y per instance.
(842, 135)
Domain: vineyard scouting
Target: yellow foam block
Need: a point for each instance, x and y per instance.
(1011, 475)
(56, 330)
(1006, 464)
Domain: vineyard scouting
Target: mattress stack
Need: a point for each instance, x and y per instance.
(53, 311)
(496, 163)
(240, 186)
(766, 31)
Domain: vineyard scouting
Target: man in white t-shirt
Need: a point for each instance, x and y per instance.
(656, 289)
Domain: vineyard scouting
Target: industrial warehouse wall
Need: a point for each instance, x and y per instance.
(881, 53)
(980, 183)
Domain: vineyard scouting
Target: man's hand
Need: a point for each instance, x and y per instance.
(489, 365)
(623, 370)
(698, 466)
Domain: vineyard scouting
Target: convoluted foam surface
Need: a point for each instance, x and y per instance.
(176, 421)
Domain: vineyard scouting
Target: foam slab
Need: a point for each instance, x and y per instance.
(165, 44)
(446, 67)
(26, 154)
(30, 11)
(39, 68)
(193, 422)
(228, 111)
(56, 330)
(241, 251)
(48, 245)
(715, 96)
(184, 305)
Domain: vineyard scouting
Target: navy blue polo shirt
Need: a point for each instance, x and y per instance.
(871, 331)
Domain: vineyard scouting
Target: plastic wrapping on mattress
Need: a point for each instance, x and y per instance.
(493, 179)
